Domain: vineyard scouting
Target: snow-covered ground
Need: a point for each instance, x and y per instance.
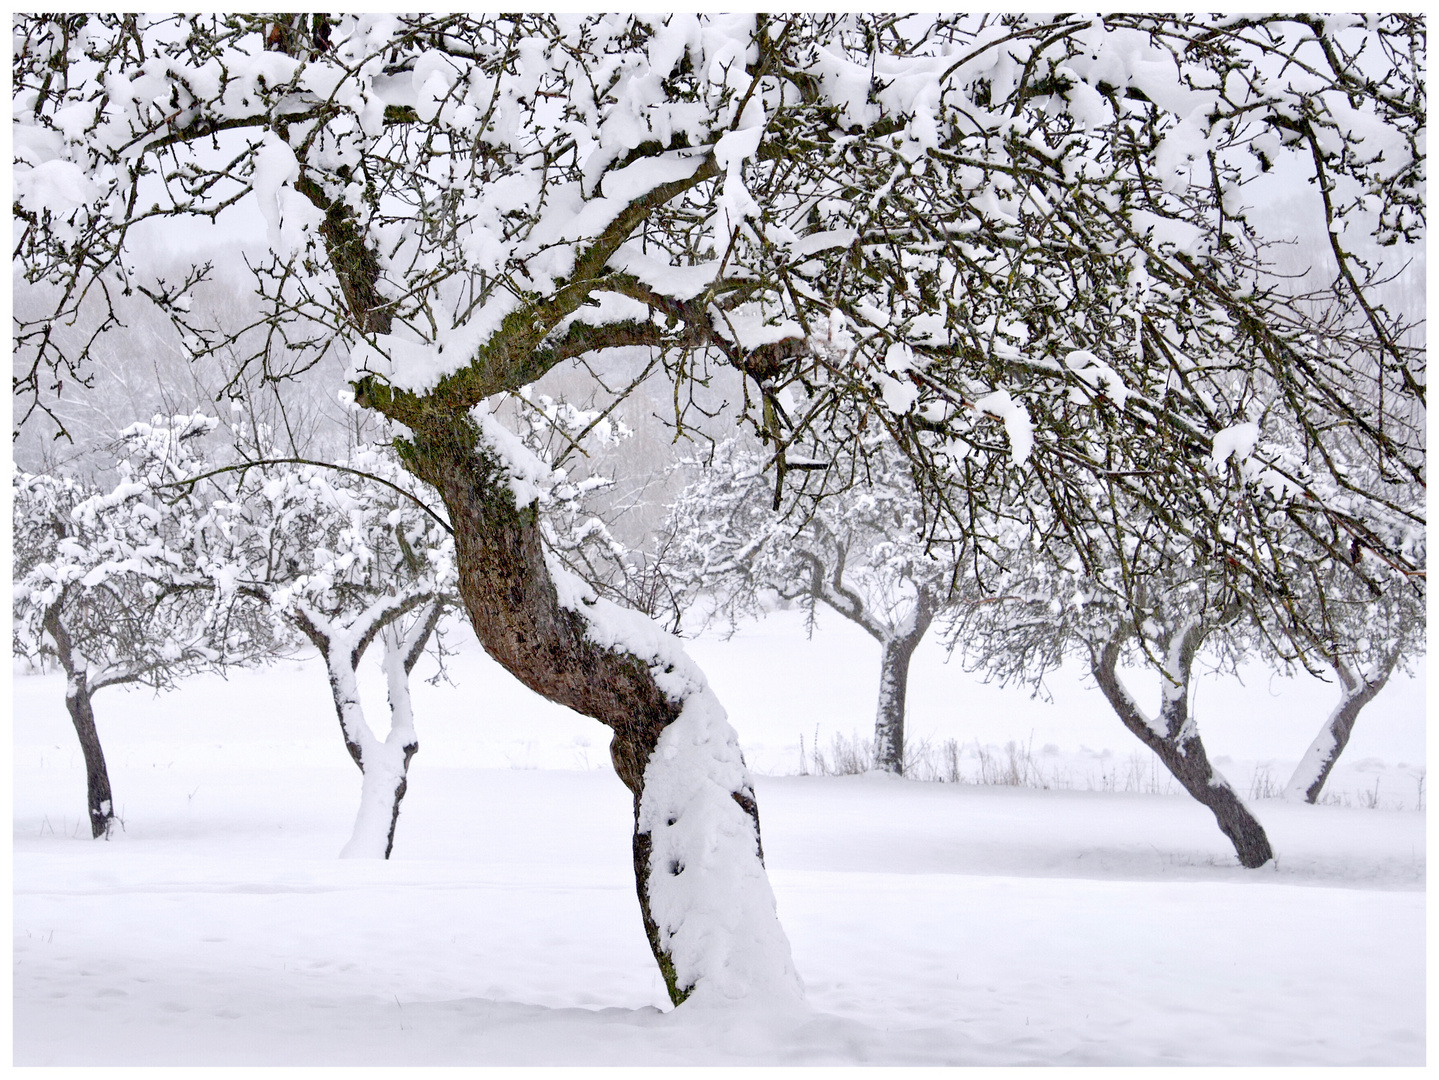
(1091, 921)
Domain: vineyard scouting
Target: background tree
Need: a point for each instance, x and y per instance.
(343, 560)
(116, 587)
(349, 554)
(1176, 631)
(861, 553)
(1379, 635)
(466, 203)
(1044, 609)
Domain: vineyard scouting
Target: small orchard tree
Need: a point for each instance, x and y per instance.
(463, 203)
(1152, 609)
(58, 616)
(1380, 636)
(115, 585)
(1373, 620)
(1174, 630)
(861, 553)
(1142, 592)
(348, 554)
(339, 557)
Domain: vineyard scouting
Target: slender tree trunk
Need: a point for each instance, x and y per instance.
(1318, 761)
(898, 650)
(1175, 741)
(370, 836)
(889, 716)
(98, 798)
(402, 719)
(384, 769)
(97, 779)
(705, 901)
(400, 745)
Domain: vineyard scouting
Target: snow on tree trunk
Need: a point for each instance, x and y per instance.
(1175, 741)
(400, 655)
(705, 900)
(1318, 761)
(707, 904)
(893, 686)
(97, 779)
(384, 770)
(382, 786)
(383, 765)
(367, 840)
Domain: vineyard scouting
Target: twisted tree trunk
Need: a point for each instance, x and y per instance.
(705, 901)
(1318, 761)
(1175, 739)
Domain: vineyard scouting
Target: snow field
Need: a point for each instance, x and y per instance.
(931, 923)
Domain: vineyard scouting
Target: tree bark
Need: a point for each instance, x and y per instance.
(898, 650)
(1318, 761)
(889, 716)
(897, 645)
(99, 801)
(1175, 741)
(97, 780)
(384, 779)
(569, 654)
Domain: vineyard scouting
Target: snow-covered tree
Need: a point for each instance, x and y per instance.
(115, 585)
(861, 553)
(1379, 636)
(1040, 613)
(1174, 632)
(1149, 598)
(970, 202)
(1372, 624)
(344, 556)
